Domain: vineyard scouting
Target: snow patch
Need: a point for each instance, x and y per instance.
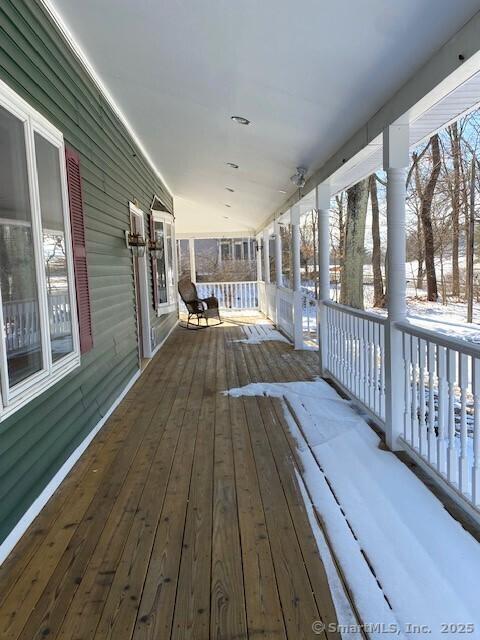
(426, 564)
(258, 333)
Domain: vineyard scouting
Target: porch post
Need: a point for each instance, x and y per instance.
(258, 242)
(322, 203)
(266, 256)
(395, 162)
(278, 254)
(278, 269)
(191, 248)
(296, 279)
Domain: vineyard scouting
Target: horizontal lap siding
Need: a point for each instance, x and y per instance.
(38, 65)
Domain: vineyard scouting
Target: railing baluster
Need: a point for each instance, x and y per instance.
(370, 363)
(422, 427)
(382, 371)
(463, 460)
(407, 410)
(452, 448)
(476, 431)
(431, 354)
(442, 412)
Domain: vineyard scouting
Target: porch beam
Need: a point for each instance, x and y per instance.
(395, 162)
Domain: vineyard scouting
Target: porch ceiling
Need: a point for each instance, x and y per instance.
(307, 75)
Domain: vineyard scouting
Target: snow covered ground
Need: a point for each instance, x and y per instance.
(421, 577)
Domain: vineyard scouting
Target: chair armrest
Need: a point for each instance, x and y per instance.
(211, 302)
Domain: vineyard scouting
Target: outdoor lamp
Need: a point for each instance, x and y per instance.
(136, 242)
(156, 248)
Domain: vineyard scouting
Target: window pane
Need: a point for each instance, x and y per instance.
(59, 312)
(161, 264)
(18, 280)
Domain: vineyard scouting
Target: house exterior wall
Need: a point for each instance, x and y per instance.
(39, 66)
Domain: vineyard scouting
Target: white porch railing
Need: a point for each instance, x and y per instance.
(22, 322)
(442, 406)
(270, 301)
(356, 355)
(309, 318)
(231, 295)
(285, 311)
(439, 391)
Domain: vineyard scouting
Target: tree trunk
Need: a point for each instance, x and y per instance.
(419, 254)
(426, 217)
(351, 292)
(455, 195)
(471, 245)
(378, 292)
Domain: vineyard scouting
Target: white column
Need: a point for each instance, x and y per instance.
(278, 254)
(322, 198)
(278, 269)
(266, 256)
(258, 245)
(395, 162)
(191, 248)
(296, 279)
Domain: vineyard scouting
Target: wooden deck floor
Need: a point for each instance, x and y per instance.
(184, 518)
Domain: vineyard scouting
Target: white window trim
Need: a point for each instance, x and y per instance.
(171, 304)
(12, 399)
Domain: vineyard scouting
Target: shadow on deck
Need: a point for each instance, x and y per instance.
(184, 518)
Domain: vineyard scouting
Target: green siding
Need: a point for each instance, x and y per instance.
(37, 64)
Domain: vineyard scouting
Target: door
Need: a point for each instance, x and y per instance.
(140, 273)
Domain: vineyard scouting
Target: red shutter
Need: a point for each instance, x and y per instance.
(154, 266)
(75, 198)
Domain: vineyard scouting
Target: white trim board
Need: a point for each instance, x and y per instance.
(32, 512)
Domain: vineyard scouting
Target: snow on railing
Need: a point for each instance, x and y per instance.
(231, 295)
(356, 354)
(442, 406)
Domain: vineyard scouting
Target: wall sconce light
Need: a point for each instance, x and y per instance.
(156, 248)
(136, 242)
(258, 245)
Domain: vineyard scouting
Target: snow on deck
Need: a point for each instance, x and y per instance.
(261, 332)
(425, 568)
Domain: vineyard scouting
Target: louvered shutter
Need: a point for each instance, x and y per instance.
(154, 266)
(75, 198)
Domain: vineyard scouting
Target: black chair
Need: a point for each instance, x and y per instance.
(197, 307)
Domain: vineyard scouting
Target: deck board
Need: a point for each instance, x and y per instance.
(184, 518)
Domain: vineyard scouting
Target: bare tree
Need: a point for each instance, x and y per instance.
(426, 194)
(378, 292)
(354, 254)
(455, 198)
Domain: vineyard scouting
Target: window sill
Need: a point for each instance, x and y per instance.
(27, 394)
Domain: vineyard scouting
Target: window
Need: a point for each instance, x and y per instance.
(163, 265)
(40, 334)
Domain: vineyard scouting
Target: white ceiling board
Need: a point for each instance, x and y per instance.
(307, 74)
